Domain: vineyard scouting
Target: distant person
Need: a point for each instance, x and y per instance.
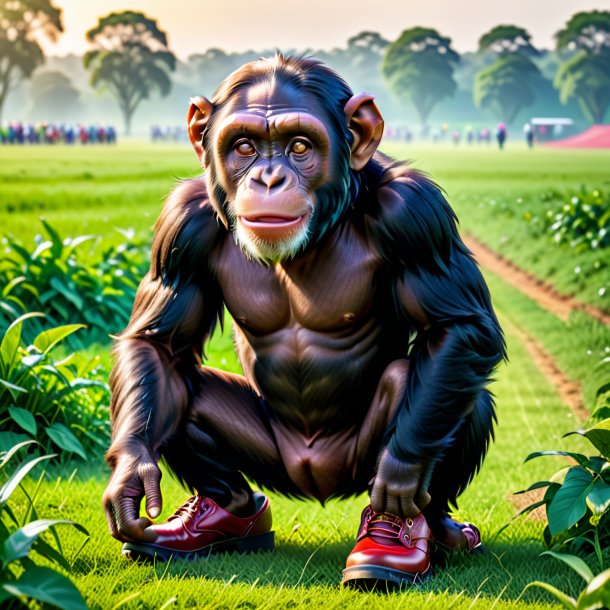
(528, 132)
(501, 135)
(456, 136)
(469, 135)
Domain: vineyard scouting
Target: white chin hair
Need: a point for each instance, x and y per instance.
(270, 251)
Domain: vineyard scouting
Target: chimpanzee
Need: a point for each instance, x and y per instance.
(363, 325)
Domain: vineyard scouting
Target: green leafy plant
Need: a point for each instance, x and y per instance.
(577, 497)
(579, 221)
(595, 595)
(63, 401)
(57, 279)
(20, 577)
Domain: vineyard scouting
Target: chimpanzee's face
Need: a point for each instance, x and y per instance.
(271, 152)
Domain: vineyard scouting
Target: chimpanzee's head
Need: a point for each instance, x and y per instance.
(282, 141)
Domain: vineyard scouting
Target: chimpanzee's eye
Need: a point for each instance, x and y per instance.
(299, 146)
(244, 148)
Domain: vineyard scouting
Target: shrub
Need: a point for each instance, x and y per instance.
(580, 221)
(56, 279)
(577, 497)
(61, 402)
(20, 577)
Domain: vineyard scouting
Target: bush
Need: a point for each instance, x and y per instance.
(54, 278)
(20, 577)
(60, 402)
(580, 221)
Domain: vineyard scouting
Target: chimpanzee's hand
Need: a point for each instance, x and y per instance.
(399, 487)
(135, 475)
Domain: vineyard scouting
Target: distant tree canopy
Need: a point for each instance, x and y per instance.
(130, 58)
(419, 67)
(585, 76)
(509, 84)
(22, 24)
(54, 97)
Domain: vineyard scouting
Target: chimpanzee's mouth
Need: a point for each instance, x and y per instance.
(275, 220)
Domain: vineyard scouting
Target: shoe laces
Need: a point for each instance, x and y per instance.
(190, 507)
(388, 526)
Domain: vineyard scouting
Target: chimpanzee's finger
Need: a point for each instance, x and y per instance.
(408, 508)
(151, 478)
(129, 524)
(111, 518)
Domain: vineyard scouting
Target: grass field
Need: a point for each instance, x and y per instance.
(95, 189)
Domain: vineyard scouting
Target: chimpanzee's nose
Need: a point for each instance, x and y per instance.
(269, 177)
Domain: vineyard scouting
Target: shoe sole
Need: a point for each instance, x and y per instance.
(377, 578)
(151, 552)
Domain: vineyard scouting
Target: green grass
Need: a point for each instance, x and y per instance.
(312, 542)
(94, 189)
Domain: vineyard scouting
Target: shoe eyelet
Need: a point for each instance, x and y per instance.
(410, 522)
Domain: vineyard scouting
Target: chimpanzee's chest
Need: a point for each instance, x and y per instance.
(326, 289)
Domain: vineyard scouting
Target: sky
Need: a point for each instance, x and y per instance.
(239, 25)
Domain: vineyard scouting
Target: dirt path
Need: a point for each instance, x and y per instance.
(542, 292)
(548, 298)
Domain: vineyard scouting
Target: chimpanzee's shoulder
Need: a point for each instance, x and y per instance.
(187, 229)
(412, 219)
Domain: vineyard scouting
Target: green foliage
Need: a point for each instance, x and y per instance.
(595, 595)
(507, 86)
(585, 76)
(419, 67)
(20, 577)
(577, 497)
(58, 402)
(508, 40)
(586, 31)
(130, 57)
(57, 279)
(577, 221)
(21, 24)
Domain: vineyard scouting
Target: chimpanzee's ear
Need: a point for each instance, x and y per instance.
(366, 124)
(199, 114)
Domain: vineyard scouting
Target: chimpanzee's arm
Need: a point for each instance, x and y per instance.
(176, 308)
(441, 293)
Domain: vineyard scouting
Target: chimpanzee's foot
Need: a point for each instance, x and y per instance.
(200, 528)
(389, 553)
(450, 535)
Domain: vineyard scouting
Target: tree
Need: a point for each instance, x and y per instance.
(585, 75)
(23, 24)
(509, 84)
(130, 58)
(54, 97)
(419, 67)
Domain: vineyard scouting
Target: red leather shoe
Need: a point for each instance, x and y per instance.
(389, 552)
(200, 528)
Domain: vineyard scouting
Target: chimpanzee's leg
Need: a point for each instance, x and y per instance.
(454, 471)
(224, 434)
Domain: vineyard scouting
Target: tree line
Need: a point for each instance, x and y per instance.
(130, 59)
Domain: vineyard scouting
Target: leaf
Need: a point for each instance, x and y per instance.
(19, 543)
(565, 600)
(538, 485)
(12, 387)
(71, 295)
(576, 563)
(32, 359)
(599, 435)
(65, 439)
(597, 593)
(598, 499)
(569, 503)
(11, 452)
(581, 459)
(24, 419)
(14, 282)
(47, 586)
(49, 338)
(9, 487)
(12, 338)
(44, 549)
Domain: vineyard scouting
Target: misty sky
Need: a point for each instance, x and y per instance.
(238, 25)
